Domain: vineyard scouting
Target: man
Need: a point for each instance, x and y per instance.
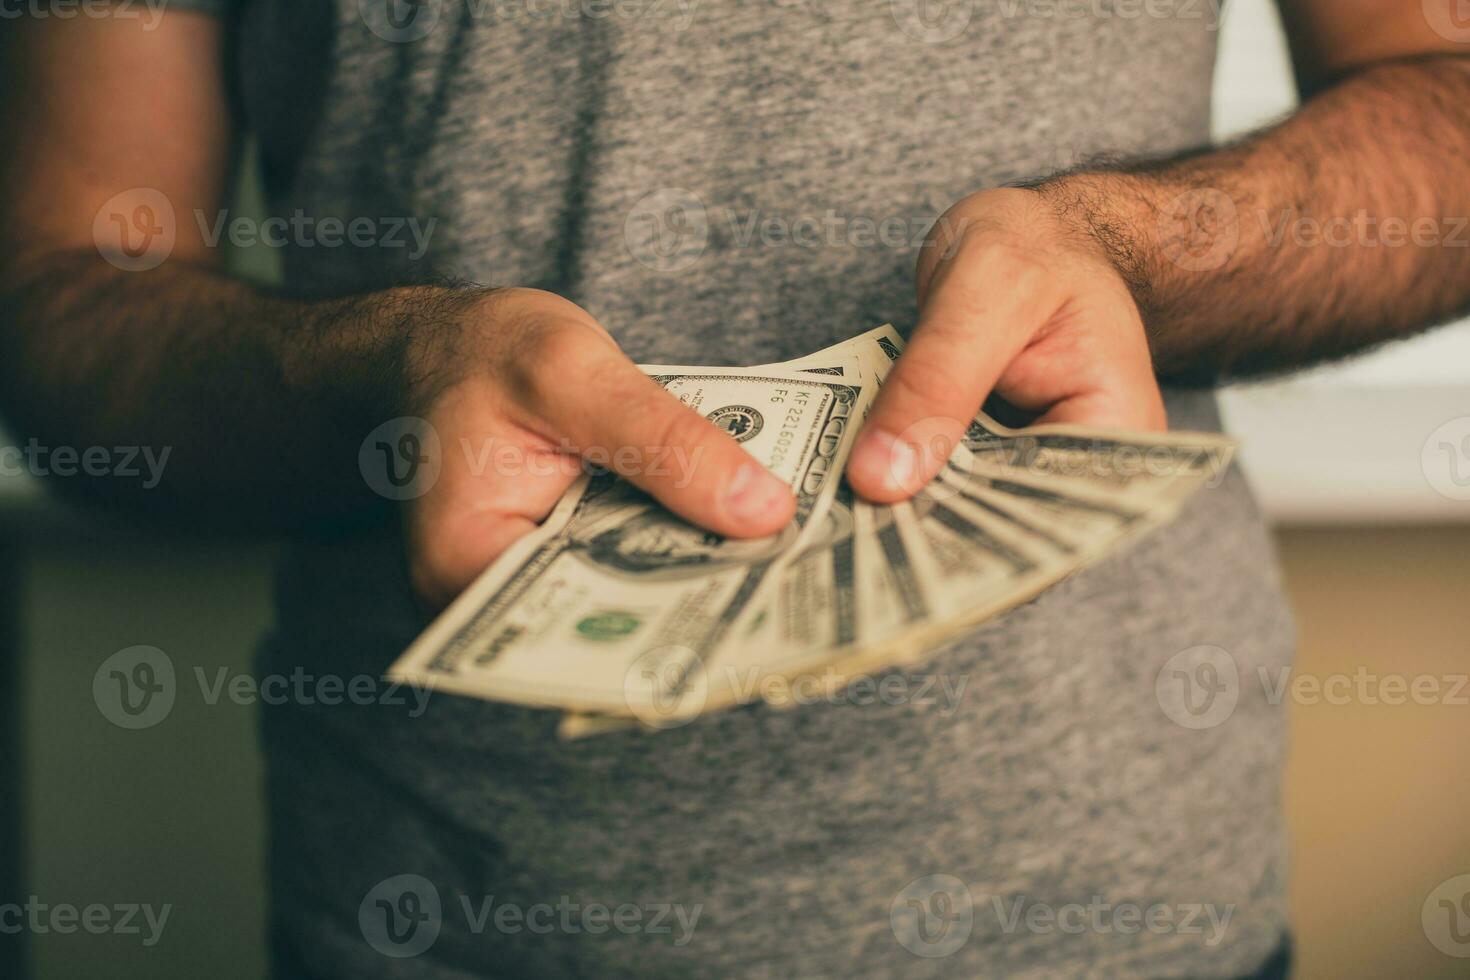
(626, 172)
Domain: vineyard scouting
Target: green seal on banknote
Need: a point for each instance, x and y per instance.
(608, 625)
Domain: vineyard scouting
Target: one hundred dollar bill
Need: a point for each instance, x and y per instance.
(625, 616)
(807, 612)
(1141, 468)
(619, 607)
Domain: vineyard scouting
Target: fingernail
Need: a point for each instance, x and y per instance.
(753, 493)
(886, 460)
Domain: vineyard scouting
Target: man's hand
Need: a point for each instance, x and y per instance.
(544, 387)
(1012, 299)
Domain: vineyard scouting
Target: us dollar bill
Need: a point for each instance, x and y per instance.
(808, 611)
(618, 607)
(852, 585)
(852, 590)
(988, 536)
(810, 608)
(1074, 524)
(1142, 469)
(625, 616)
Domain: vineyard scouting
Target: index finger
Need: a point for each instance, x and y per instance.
(968, 332)
(614, 414)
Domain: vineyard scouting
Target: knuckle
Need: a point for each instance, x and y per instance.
(985, 251)
(552, 355)
(953, 333)
(1083, 348)
(906, 388)
(674, 426)
(927, 390)
(946, 236)
(564, 346)
(1009, 262)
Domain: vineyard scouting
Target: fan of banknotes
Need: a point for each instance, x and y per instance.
(622, 615)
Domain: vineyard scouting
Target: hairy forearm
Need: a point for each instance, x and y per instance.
(260, 402)
(1342, 227)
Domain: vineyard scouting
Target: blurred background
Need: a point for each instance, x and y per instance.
(1364, 467)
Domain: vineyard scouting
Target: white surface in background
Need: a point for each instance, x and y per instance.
(1343, 442)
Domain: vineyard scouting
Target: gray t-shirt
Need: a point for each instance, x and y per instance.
(742, 181)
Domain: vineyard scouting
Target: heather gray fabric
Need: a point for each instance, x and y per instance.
(656, 167)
